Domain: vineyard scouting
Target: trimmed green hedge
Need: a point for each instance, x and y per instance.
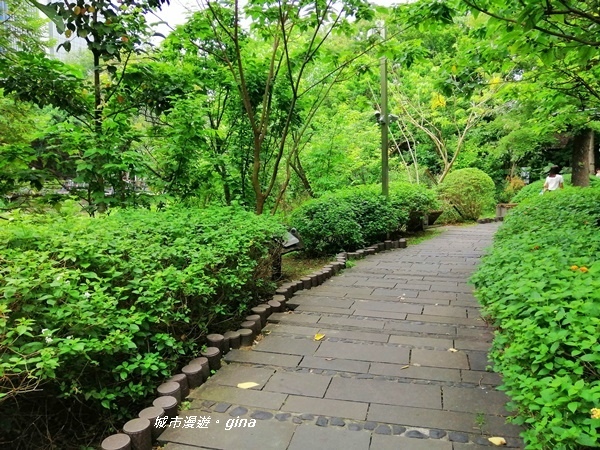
(359, 216)
(104, 309)
(540, 284)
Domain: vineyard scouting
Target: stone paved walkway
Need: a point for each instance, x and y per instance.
(402, 364)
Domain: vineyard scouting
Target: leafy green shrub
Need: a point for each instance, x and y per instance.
(470, 190)
(376, 215)
(352, 218)
(104, 309)
(540, 285)
(327, 225)
(409, 198)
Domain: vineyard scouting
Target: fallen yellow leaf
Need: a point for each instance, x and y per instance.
(404, 367)
(319, 336)
(453, 350)
(497, 440)
(247, 385)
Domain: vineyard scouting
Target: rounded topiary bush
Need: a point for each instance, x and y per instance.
(470, 190)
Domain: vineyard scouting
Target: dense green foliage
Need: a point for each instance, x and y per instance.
(540, 287)
(103, 309)
(355, 217)
(470, 190)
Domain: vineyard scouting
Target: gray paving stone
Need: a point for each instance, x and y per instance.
(421, 328)
(360, 352)
(307, 416)
(216, 437)
(415, 372)
(382, 442)
(447, 296)
(322, 309)
(297, 420)
(344, 291)
(287, 346)
(447, 420)
(439, 358)
(478, 360)
(234, 374)
(351, 322)
(415, 341)
(446, 311)
(481, 378)
(384, 392)
(282, 416)
(488, 401)
(355, 335)
(326, 407)
(310, 385)
(342, 365)
(293, 318)
(380, 314)
(245, 397)
(397, 293)
(275, 359)
(397, 307)
(376, 283)
(330, 438)
(470, 344)
(291, 329)
(355, 427)
(442, 319)
(332, 302)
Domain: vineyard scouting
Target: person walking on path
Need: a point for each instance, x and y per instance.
(554, 180)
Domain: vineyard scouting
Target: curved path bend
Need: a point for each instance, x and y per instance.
(402, 365)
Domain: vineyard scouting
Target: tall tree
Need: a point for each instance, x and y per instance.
(272, 80)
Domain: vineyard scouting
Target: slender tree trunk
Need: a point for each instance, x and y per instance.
(582, 162)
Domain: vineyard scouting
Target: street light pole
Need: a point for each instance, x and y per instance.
(385, 120)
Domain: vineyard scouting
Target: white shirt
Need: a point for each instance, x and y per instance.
(553, 183)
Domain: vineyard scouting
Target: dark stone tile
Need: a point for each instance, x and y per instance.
(338, 364)
(361, 352)
(238, 411)
(458, 437)
(326, 407)
(383, 429)
(262, 415)
(337, 422)
(439, 358)
(322, 421)
(248, 356)
(304, 384)
(384, 392)
(415, 434)
(222, 407)
(287, 346)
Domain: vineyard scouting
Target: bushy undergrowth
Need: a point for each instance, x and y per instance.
(104, 309)
(540, 285)
(533, 189)
(355, 217)
(470, 190)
